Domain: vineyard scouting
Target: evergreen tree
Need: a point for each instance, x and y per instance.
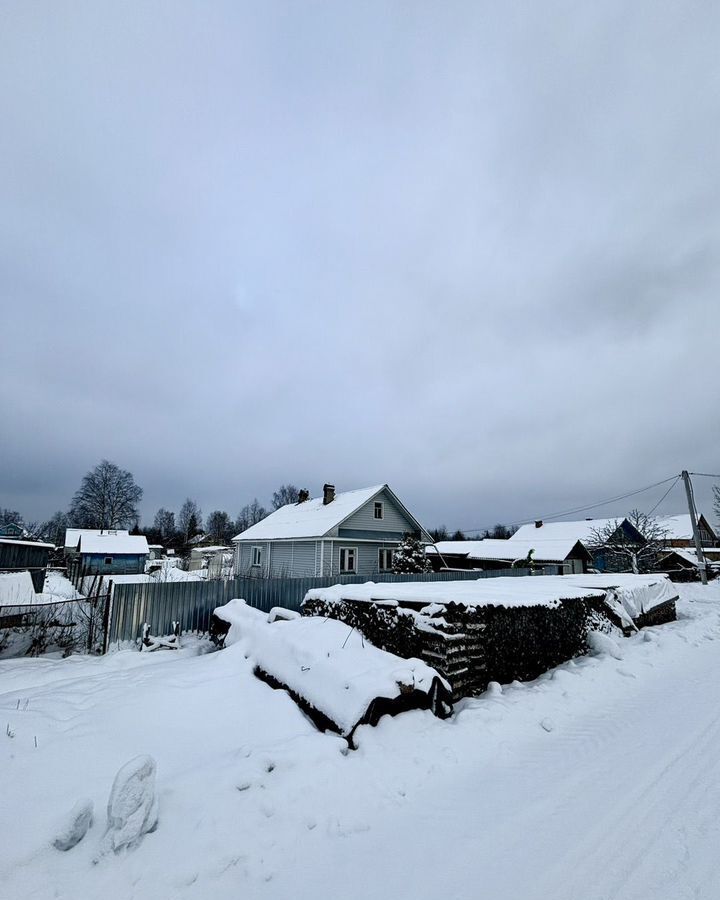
(409, 558)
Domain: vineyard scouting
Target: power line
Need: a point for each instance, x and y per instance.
(664, 495)
(703, 475)
(577, 509)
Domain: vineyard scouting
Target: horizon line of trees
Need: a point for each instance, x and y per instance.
(109, 497)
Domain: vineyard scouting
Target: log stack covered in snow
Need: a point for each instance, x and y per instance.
(331, 670)
(495, 629)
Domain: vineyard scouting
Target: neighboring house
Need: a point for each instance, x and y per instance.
(352, 533)
(32, 556)
(679, 531)
(109, 553)
(583, 530)
(212, 558)
(569, 555)
(681, 563)
(157, 551)
(12, 530)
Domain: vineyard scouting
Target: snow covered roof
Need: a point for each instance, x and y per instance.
(16, 589)
(578, 530)
(15, 543)
(510, 550)
(119, 543)
(538, 590)
(73, 535)
(690, 556)
(678, 528)
(313, 518)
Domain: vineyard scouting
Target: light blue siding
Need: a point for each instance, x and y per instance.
(367, 556)
(120, 564)
(394, 519)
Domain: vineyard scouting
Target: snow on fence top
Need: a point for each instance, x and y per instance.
(639, 592)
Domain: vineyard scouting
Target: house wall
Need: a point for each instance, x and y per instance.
(279, 558)
(364, 524)
(307, 558)
(121, 564)
(367, 555)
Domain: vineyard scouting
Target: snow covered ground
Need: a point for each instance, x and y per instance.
(598, 780)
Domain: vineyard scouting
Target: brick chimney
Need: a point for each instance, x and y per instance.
(538, 523)
(328, 493)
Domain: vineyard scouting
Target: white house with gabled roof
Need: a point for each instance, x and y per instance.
(350, 533)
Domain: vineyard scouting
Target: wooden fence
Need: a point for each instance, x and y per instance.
(191, 603)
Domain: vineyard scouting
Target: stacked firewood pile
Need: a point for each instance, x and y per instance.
(474, 645)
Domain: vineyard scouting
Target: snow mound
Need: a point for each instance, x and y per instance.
(330, 667)
(279, 613)
(132, 806)
(75, 827)
(602, 643)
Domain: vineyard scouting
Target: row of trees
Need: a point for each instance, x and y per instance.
(109, 497)
(501, 532)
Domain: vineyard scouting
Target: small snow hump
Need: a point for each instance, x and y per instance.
(601, 643)
(132, 806)
(547, 725)
(76, 826)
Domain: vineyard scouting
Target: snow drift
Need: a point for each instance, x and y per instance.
(331, 670)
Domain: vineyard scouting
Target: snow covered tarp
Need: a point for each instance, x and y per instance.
(331, 670)
(631, 597)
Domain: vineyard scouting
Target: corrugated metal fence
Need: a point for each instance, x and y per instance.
(191, 603)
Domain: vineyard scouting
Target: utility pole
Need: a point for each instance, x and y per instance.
(693, 520)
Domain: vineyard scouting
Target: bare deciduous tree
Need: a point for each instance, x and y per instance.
(286, 493)
(189, 520)
(107, 498)
(219, 526)
(622, 552)
(164, 523)
(250, 515)
(11, 517)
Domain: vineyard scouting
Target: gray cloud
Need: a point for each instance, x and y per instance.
(468, 250)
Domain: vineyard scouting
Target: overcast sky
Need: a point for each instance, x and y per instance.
(468, 249)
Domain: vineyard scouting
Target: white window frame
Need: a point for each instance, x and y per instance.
(344, 553)
(383, 551)
(378, 506)
(256, 555)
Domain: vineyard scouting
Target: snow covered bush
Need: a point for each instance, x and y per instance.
(410, 557)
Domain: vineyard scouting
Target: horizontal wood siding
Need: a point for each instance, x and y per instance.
(394, 519)
(122, 564)
(367, 556)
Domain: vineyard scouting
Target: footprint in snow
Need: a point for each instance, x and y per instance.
(548, 725)
(626, 674)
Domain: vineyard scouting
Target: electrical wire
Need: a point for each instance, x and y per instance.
(664, 495)
(703, 475)
(577, 509)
